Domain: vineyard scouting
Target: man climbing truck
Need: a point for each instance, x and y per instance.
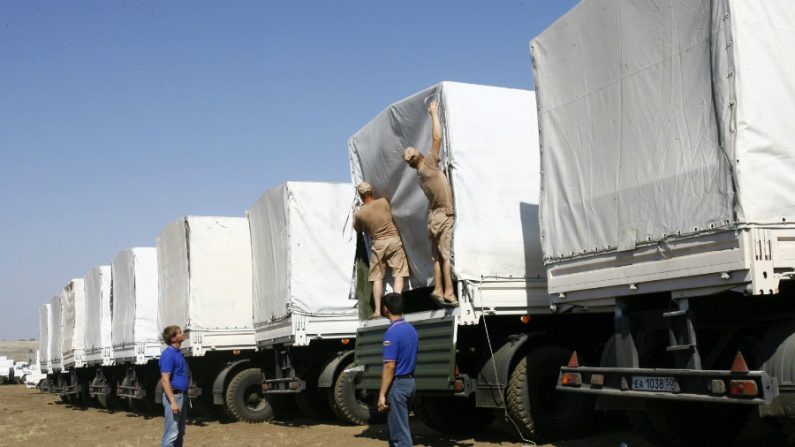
(501, 347)
(668, 157)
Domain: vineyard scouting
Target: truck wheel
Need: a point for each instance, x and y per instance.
(687, 424)
(352, 406)
(536, 407)
(244, 398)
(453, 414)
(311, 403)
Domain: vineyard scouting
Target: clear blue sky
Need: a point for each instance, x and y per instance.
(117, 117)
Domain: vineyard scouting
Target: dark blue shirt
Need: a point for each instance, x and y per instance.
(172, 362)
(400, 346)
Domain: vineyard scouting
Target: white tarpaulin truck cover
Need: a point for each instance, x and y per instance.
(134, 311)
(490, 153)
(97, 284)
(56, 332)
(74, 316)
(204, 273)
(44, 336)
(302, 251)
(664, 119)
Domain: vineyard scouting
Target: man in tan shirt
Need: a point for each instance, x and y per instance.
(441, 216)
(374, 217)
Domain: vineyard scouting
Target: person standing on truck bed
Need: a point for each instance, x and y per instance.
(374, 217)
(174, 376)
(441, 216)
(397, 378)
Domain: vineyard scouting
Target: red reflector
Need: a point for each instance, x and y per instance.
(456, 372)
(744, 388)
(739, 365)
(525, 319)
(345, 341)
(571, 379)
(574, 362)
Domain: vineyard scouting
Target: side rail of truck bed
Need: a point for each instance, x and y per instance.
(754, 259)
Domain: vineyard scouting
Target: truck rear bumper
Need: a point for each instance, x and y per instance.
(715, 386)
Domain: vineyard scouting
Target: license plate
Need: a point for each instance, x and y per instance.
(644, 383)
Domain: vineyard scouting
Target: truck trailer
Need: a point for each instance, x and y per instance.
(305, 318)
(499, 351)
(75, 376)
(668, 166)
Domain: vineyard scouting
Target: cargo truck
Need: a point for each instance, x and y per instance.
(134, 332)
(204, 283)
(98, 343)
(55, 378)
(44, 345)
(305, 316)
(499, 351)
(668, 171)
(74, 377)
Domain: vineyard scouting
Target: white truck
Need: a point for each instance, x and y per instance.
(44, 344)
(668, 161)
(204, 283)
(6, 370)
(74, 377)
(501, 348)
(55, 379)
(98, 343)
(304, 316)
(134, 332)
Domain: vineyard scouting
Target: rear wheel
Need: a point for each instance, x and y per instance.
(536, 407)
(244, 398)
(352, 406)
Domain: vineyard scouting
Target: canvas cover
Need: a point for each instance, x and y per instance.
(74, 316)
(55, 348)
(664, 119)
(490, 154)
(302, 251)
(44, 335)
(204, 273)
(134, 297)
(97, 285)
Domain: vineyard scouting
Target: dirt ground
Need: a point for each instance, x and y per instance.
(31, 418)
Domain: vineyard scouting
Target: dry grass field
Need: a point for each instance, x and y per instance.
(18, 350)
(31, 418)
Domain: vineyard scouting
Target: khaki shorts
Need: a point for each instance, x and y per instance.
(387, 252)
(440, 231)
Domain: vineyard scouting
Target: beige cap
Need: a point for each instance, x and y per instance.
(410, 153)
(364, 188)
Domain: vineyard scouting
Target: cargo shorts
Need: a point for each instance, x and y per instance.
(387, 252)
(440, 232)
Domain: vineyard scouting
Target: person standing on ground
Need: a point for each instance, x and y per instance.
(174, 376)
(374, 217)
(397, 379)
(441, 215)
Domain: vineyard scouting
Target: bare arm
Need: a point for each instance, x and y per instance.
(386, 379)
(165, 378)
(436, 132)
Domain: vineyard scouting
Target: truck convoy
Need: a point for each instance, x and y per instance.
(623, 240)
(667, 178)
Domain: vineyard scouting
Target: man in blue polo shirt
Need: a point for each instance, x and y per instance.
(397, 378)
(174, 376)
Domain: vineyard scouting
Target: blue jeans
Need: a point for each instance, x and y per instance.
(399, 398)
(174, 425)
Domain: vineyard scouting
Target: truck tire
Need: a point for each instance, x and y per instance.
(447, 414)
(352, 406)
(686, 424)
(311, 403)
(535, 406)
(244, 398)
